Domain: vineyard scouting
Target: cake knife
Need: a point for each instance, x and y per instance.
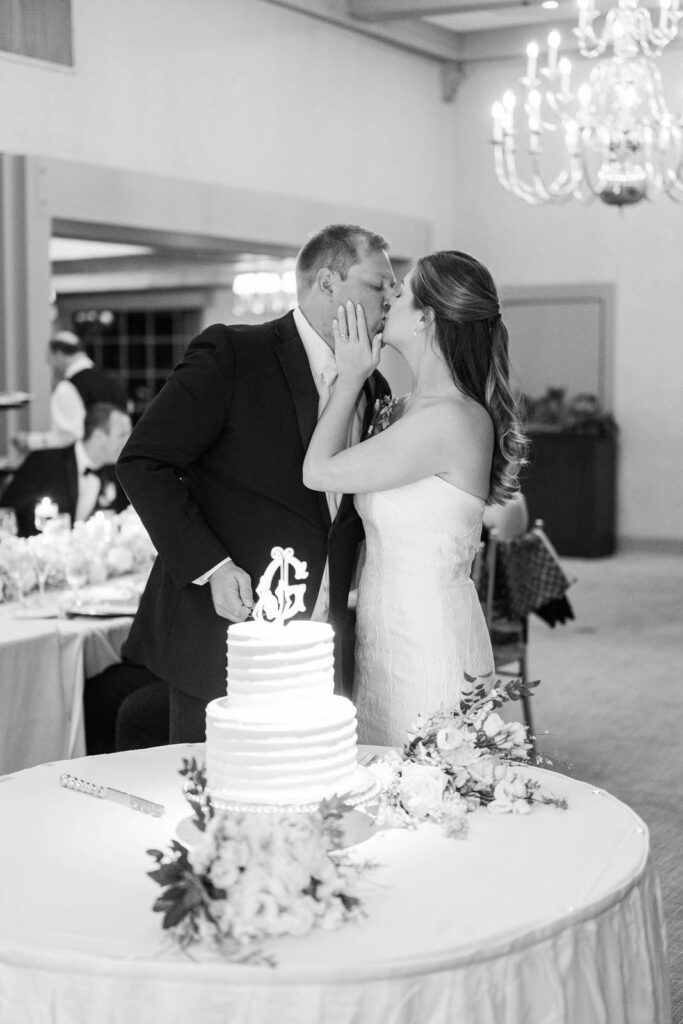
(137, 803)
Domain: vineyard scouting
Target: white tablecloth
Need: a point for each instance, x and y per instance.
(43, 665)
(552, 918)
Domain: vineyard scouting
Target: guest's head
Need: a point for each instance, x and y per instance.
(62, 347)
(449, 301)
(106, 430)
(340, 262)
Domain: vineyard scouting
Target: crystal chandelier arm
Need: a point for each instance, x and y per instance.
(506, 172)
(561, 189)
(590, 45)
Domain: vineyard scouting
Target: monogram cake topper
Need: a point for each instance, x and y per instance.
(275, 606)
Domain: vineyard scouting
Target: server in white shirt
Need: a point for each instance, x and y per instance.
(78, 384)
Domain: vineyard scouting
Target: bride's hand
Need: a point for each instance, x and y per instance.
(356, 356)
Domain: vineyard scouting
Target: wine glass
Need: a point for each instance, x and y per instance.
(8, 523)
(42, 559)
(75, 573)
(19, 569)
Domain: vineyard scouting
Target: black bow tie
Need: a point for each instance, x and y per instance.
(95, 472)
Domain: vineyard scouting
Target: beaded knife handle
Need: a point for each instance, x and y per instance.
(137, 803)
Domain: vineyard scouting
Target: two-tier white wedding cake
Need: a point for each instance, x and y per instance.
(281, 737)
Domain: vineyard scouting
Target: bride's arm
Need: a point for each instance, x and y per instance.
(413, 448)
(409, 450)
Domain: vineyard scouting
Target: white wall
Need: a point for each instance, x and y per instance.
(640, 249)
(244, 94)
(241, 93)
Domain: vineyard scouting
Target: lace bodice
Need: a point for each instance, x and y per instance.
(419, 623)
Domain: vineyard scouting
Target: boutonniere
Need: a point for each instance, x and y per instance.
(381, 416)
(107, 495)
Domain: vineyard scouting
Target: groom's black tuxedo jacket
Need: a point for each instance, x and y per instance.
(214, 468)
(52, 473)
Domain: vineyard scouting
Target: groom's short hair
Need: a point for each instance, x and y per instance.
(337, 247)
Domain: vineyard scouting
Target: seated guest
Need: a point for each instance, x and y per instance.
(124, 708)
(80, 479)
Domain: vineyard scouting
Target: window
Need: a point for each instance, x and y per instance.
(37, 28)
(139, 347)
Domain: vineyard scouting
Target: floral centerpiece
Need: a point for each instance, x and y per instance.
(458, 759)
(104, 546)
(581, 414)
(255, 876)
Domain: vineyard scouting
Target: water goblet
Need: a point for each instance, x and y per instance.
(8, 523)
(42, 556)
(75, 574)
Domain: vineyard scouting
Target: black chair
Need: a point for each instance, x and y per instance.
(514, 578)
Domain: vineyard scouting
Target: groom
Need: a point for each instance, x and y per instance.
(214, 468)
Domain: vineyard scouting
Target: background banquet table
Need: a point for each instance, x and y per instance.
(43, 665)
(550, 918)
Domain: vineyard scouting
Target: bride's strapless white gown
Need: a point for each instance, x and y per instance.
(419, 626)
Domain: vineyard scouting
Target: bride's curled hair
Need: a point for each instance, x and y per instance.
(474, 343)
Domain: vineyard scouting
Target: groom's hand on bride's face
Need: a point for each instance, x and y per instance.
(231, 593)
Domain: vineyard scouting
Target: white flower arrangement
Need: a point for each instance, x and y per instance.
(381, 415)
(253, 877)
(103, 546)
(458, 759)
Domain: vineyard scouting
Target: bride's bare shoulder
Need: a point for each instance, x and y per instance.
(466, 415)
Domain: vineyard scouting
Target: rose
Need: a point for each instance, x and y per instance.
(97, 572)
(119, 560)
(420, 787)
(386, 772)
(299, 917)
(454, 818)
(510, 796)
(483, 769)
(451, 736)
(513, 737)
(493, 724)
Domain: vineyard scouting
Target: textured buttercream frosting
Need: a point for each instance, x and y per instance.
(281, 736)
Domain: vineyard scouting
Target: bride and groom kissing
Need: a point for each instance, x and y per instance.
(269, 434)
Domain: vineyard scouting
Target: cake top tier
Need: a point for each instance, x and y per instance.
(268, 635)
(269, 664)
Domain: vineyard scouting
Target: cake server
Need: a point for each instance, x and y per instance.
(137, 803)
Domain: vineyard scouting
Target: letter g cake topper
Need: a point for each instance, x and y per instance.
(277, 605)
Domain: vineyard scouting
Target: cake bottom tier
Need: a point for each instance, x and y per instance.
(288, 755)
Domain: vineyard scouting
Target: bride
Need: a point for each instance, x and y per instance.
(450, 447)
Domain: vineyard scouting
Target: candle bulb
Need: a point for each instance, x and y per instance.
(497, 114)
(532, 56)
(585, 94)
(509, 101)
(664, 14)
(45, 510)
(554, 40)
(565, 74)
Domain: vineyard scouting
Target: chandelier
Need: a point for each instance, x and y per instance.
(615, 138)
(263, 293)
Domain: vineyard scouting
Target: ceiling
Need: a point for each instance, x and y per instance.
(451, 32)
(460, 31)
(481, 17)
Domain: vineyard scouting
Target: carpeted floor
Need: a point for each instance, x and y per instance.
(609, 709)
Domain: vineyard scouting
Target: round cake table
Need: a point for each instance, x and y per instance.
(549, 918)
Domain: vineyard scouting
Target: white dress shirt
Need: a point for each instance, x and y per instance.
(88, 484)
(67, 411)
(324, 371)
